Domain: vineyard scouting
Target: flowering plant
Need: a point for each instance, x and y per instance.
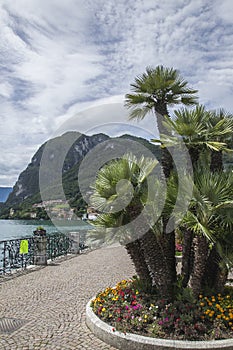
(128, 308)
(218, 307)
(179, 247)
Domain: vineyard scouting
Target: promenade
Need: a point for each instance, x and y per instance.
(45, 309)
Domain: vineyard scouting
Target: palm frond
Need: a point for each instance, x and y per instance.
(195, 225)
(156, 87)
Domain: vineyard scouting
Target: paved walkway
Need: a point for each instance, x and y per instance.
(52, 301)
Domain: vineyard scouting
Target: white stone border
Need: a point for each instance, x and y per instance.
(136, 342)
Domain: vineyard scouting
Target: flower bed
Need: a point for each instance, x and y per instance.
(128, 309)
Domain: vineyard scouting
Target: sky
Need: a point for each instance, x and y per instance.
(62, 61)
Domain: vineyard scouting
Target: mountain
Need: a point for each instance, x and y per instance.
(4, 193)
(26, 191)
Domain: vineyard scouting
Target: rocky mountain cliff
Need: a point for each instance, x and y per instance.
(26, 191)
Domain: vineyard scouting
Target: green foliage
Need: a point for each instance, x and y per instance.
(200, 128)
(119, 190)
(158, 87)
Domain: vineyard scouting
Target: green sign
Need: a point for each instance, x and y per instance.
(23, 249)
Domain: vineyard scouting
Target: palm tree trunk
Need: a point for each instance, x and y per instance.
(216, 272)
(167, 240)
(216, 163)
(136, 253)
(194, 153)
(212, 265)
(221, 279)
(168, 245)
(166, 158)
(200, 257)
(157, 265)
(186, 257)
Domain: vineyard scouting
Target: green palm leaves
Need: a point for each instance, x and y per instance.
(156, 89)
(212, 201)
(199, 128)
(119, 191)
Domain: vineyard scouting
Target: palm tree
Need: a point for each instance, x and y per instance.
(156, 90)
(209, 219)
(121, 194)
(206, 135)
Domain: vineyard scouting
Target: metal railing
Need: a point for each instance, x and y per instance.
(58, 245)
(10, 255)
(12, 258)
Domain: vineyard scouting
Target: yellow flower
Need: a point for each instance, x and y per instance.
(103, 309)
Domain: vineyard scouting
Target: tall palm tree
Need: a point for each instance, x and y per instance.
(155, 91)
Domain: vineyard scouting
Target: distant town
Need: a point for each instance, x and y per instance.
(59, 209)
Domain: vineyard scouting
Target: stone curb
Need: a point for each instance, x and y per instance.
(130, 341)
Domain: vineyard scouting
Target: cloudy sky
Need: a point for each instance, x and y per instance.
(59, 58)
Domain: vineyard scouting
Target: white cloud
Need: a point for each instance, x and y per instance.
(5, 90)
(224, 10)
(59, 57)
(107, 116)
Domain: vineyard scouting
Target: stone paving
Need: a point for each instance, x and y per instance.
(52, 300)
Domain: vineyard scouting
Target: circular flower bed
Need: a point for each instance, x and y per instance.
(129, 309)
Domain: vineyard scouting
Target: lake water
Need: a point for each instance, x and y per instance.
(10, 229)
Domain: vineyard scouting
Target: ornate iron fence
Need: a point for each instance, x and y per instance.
(11, 257)
(15, 255)
(58, 245)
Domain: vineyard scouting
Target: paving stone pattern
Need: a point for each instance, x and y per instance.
(52, 301)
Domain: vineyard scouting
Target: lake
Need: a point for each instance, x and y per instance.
(10, 229)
